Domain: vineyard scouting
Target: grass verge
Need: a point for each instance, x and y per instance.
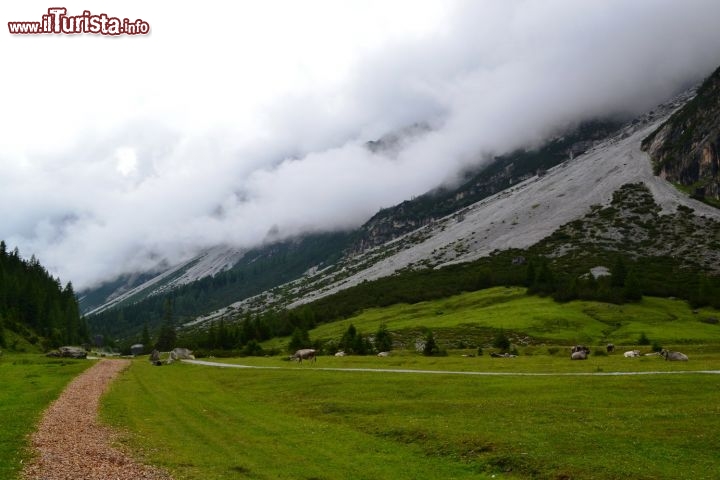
(29, 384)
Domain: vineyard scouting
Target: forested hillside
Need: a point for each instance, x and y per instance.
(35, 306)
(260, 269)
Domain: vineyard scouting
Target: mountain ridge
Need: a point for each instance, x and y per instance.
(541, 202)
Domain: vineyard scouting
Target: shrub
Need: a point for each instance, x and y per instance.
(501, 341)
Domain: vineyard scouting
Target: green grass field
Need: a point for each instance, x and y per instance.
(314, 421)
(299, 421)
(29, 383)
(325, 420)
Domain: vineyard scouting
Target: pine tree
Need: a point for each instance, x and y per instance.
(431, 346)
(300, 339)
(383, 340)
(2, 332)
(632, 291)
(619, 273)
(167, 335)
(501, 341)
(145, 339)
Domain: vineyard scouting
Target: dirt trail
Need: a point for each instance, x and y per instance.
(451, 372)
(70, 443)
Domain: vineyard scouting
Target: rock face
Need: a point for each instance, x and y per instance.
(686, 148)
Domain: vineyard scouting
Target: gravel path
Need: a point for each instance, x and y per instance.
(450, 372)
(70, 443)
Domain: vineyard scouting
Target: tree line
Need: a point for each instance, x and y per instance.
(35, 305)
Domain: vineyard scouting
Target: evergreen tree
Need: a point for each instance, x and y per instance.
(34, 304)
(619, 273)
(167, 335)
(348, 340)
(431, 347)
(2, 332)
(383, 340)
(530, 274)
(632, 291)
(501, 341)
(145, 339)
(300, 339)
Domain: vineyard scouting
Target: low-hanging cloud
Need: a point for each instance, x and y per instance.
(148, 172)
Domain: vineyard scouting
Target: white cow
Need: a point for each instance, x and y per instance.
(304, 354)
(632, 353)
(180, 354)
(674, 356)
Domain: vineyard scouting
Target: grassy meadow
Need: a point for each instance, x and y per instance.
(537, 416)
(300, 421)
(330, 420)
(29, 383)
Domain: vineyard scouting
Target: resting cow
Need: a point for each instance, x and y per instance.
(579, 352)
(180, 354)
(304, 354)
(632, 353)
(579, 355)
(674, 356)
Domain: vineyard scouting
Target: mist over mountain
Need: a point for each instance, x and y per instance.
(257, 134)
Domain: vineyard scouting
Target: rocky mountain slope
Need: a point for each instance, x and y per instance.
(535, 209)
(516, 203)
(231, 264)
(686, 149)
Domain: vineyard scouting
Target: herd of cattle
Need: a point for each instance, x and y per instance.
(577, 352)
(581, 352)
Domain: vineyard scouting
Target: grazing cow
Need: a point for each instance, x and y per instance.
(632, 353)
(674, 356)
(304, 354)
(610, 348)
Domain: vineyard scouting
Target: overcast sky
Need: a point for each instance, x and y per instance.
(234, 119)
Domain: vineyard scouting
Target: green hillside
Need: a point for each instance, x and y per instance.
(472, 320)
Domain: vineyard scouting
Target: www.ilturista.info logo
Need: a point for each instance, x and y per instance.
(58, 22)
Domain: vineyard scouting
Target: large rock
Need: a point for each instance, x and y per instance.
(68, 352)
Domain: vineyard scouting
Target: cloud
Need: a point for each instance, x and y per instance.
(226, 123)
